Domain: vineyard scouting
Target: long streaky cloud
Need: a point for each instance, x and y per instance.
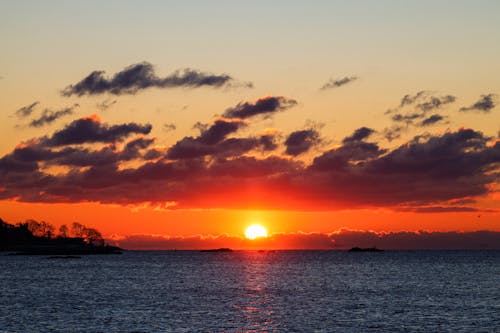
(263, 106)
(142, 76)
(336, 83)
(341, 240)
(92, 130)
(27, 110)
(49, 116)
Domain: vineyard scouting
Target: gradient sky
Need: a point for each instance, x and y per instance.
(354, 155)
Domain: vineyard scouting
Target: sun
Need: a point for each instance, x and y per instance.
(255, 231)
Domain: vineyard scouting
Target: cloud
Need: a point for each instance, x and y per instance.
(431, 120)
(393, 133)
(299, 142)
(222, 167)
(341, 240)
(422, 240)
(213, 140)
(411, 99)
(169, 127)
(335, 83)
(359, 135)
(27, 110)
(425, 172)
(106, 104)
(413, 111)
(142, 76)
(49, 116)
(485, 104)
(264, 105)
(92, 130)
(435, 103)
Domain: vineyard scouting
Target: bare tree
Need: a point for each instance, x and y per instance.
(40, 229)
(93, 237)
(34, 227)
(77, 229)
(63, 231)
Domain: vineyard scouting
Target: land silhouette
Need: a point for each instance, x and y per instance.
(39, 238)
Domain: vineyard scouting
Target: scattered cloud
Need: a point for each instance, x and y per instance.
(413, 111)
(359, 135)
(169, 127)
(106, 104)
(49, 116)
(435, 103)
(485, 104)
(265, 105)
(92, 130)
(302, 141)
(335, 83)
(411, 99)
(431, 120)
(27, 110)
(213, 141)
(142, 76)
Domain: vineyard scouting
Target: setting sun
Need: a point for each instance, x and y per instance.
(254, 231)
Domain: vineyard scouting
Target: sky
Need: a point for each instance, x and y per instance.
(177, 124)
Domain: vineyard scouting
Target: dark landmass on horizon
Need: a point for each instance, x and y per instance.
(37, 238)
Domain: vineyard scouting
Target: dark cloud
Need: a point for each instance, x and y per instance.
(221, 169)
(423, 101)
(268, 141)
(393, 133)
(407, 118)
(299, 142)
(485, 104)
(106, 104)
(219, 130)
(441, 209)
(49, 116)
(431, 120)
(422, 240)
(422, 174)
(264, 105)
(91, 130)
(342, 240)
(423, 171)
(359, 135)
(132, 148)
(413, 111)
(411, 99)
(335, 83)
(27, 110)
(435, 102)
(142, 76)
(213, 141)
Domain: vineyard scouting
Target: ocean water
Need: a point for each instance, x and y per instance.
(245, 291)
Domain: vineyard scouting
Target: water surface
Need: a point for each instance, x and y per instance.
(245, 291)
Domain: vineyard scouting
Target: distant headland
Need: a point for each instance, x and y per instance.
(39, 238)
(222, 249)
(365, 249)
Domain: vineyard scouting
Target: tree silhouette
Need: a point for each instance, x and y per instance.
(63, 231)
(77, 229)
(40, 229)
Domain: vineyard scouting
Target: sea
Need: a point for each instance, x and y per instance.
(253, 291)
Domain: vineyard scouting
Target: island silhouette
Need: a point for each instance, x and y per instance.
(39, 238)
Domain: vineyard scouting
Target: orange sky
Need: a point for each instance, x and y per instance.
(200, 122)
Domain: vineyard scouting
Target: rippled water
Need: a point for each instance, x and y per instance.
(283, 291)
